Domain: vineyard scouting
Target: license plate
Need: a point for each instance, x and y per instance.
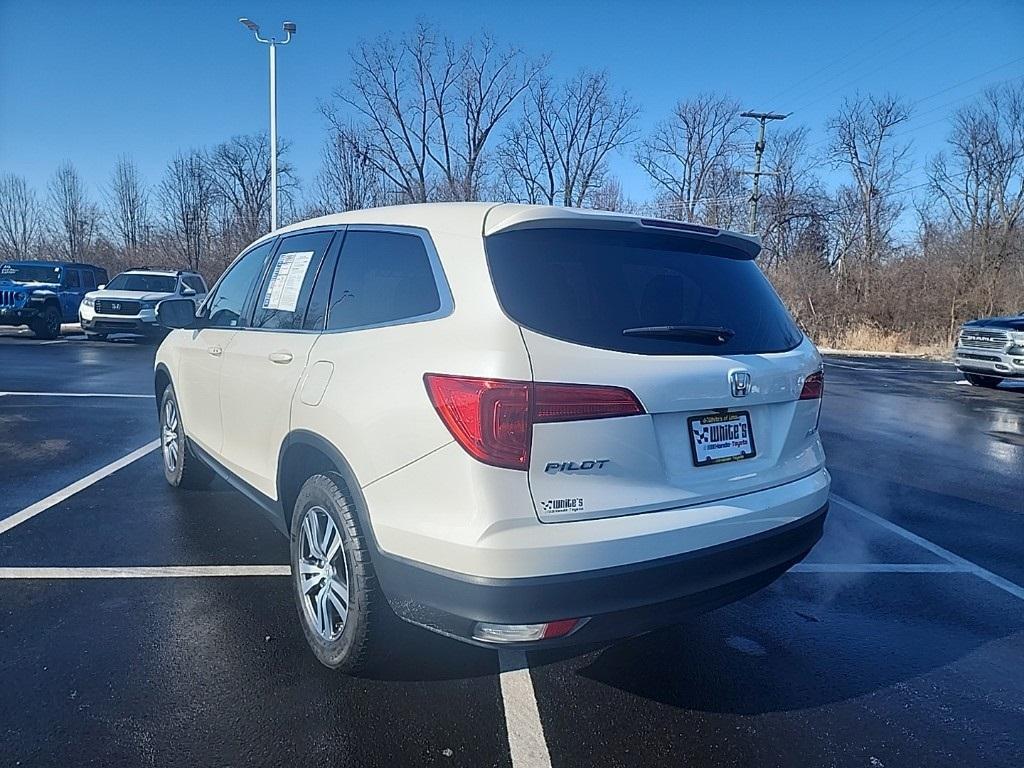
(716, 438)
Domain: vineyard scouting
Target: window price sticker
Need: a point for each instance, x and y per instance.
(286, 281)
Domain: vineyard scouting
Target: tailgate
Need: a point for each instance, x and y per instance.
(605, 467)
(682, 317)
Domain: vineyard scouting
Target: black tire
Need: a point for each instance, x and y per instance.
(360, 642)
(185, 470)
(989, 382)
(47, 326)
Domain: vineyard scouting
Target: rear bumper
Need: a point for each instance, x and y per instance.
(622, 601)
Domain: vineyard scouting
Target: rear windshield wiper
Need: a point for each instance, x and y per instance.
(702, 334)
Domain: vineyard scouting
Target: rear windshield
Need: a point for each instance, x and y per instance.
(670, 294)
(140, 282)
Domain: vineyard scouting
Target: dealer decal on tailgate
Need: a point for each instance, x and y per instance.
(562, 505)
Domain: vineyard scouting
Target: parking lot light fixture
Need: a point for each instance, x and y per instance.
(272, 42)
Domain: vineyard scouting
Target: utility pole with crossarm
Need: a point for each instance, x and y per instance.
(761, 117)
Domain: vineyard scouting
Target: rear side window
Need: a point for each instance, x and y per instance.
(284, 294)
(381, 277)
(195, 282)
(88, 279)
(646, 293)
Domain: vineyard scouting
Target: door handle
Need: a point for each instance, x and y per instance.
(215, 351)
(280, 357)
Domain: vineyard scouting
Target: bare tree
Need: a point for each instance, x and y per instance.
(187, 199)
(74, 218)
(429, 107)
(558, 151)
(979, 188)
(128, 199)
(347, 181)
(793, 202)
(610, 196)
(21, 217)
(863, 143)
(239, 174)
(693, 159)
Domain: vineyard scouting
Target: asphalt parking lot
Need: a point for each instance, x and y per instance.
(142, 626)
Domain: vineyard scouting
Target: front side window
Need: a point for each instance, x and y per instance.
(286, 287)
(641, 292)
(71, 278)
(382, 277)
(226, 306)
(134, 281)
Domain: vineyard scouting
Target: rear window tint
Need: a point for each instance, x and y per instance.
(587, 286)
(382, 277)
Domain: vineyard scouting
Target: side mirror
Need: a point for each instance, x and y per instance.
(101, 286)
(188, 290)
(176, 313)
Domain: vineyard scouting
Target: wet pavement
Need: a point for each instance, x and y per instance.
(898, 642)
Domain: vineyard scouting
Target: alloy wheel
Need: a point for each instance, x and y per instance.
(170, 444)
(323, 574)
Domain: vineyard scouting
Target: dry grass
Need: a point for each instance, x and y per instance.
(870, 338)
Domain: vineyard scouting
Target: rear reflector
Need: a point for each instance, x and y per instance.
(492, 419)
(524, 633)
(814, 386)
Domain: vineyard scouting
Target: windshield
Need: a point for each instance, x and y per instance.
(146, 283)
(640, 292)
(30, 273)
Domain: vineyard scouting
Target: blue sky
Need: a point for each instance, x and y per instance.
(88, 81)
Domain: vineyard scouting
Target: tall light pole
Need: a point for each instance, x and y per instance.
(289, 29)
(757, 173)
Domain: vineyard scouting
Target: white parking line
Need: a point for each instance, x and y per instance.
(75, 394)
(966, 565)
(93, 477)
(880, 568)
(145, 572)
(522, 720)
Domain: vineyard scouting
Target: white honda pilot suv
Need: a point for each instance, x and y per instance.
(509, 424)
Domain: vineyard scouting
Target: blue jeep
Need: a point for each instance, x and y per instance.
(44, 294)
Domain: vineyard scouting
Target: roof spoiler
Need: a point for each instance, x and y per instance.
(541, 217)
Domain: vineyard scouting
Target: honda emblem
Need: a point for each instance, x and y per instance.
(740, 381)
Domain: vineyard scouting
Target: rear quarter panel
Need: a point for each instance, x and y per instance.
(375, 410)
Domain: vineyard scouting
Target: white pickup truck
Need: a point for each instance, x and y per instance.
(991, 349)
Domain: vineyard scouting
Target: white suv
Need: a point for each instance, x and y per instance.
(509, 424)
(127, 304)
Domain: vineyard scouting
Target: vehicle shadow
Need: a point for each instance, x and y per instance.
(806, 642)
(413, 653)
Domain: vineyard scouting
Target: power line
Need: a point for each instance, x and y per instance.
(972, 94)
(853, 51)
(968, 80)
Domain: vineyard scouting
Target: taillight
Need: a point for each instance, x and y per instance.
(814, 386)
(575, 402)
(492, 419)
